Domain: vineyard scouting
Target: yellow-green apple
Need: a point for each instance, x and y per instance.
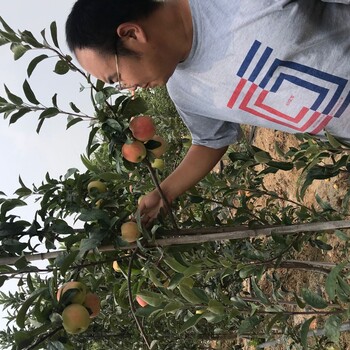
(93, 304)
(160, 150)
(140, 301)
(97, 185)
(76, 319)
(142, 127)
(134, 152)
(80, 291)
(130, 232)
(116, 266)
(158, 163)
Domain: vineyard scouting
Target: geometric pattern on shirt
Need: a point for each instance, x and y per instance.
(276, 90)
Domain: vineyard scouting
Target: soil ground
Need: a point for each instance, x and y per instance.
(285, 183)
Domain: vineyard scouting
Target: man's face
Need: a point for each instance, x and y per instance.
(146, 70)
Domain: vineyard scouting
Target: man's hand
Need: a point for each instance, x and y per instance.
(197, 163)
(150, 207)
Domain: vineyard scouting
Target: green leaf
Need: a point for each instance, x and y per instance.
(286, 166)
(175, 265)
(13, 98)
(248, 270)
(332, 328)
(171, 307)
(7, 109)
(22, 312)
(19, 50)
(54, 100)
(341, 235)
(74, 107)
(259, 293)
(191, 322)
(88, 244)
(153, 277)
(134, 107)
(151, 298)
(99, 84)
(345, 287)
(40, 124)
(175, 280)
(21, 263)
(10, 204)
(61, 67)
(23, 339)
(248, 324)
(29, 38)
(49, 113)
(91, 140)
(67, 262)
(298, 300)
(32, 65)
(3, 41)
(3, 279)
(6, 26)
(262, 157)
(93, 215)
(313, 299)
(323, 204)
(216, 307)
(13, 246)
(189, 295)
(19, 114)
(304, 332)
(333, 141)
(332, 280)
(89, 164)
(11, 37)
(278, 149)
(53, 30)
(239, 303)
(100, 97)
(73, 121)
(29, 93)
(212, 318)
(192, 270)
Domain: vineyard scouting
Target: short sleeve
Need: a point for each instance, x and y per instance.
(211, 132)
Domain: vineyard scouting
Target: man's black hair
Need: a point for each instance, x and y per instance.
(93, 23)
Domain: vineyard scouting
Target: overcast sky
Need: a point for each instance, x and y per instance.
(54, 150)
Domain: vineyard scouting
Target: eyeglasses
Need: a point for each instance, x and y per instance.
(119, 85)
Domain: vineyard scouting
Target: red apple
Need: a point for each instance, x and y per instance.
(142, 127)
(134, 152)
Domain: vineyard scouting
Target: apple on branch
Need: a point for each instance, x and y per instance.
(130, 231)
(76, 319)
(142, 127)
(158, 163)
(134, 152)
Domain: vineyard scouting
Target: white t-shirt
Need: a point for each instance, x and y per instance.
(280, 64)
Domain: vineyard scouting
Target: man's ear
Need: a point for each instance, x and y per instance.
(132, 33)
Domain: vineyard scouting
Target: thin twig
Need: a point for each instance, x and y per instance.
(161, 193)
(131, 301)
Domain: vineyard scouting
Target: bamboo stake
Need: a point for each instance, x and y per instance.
(203, 235)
